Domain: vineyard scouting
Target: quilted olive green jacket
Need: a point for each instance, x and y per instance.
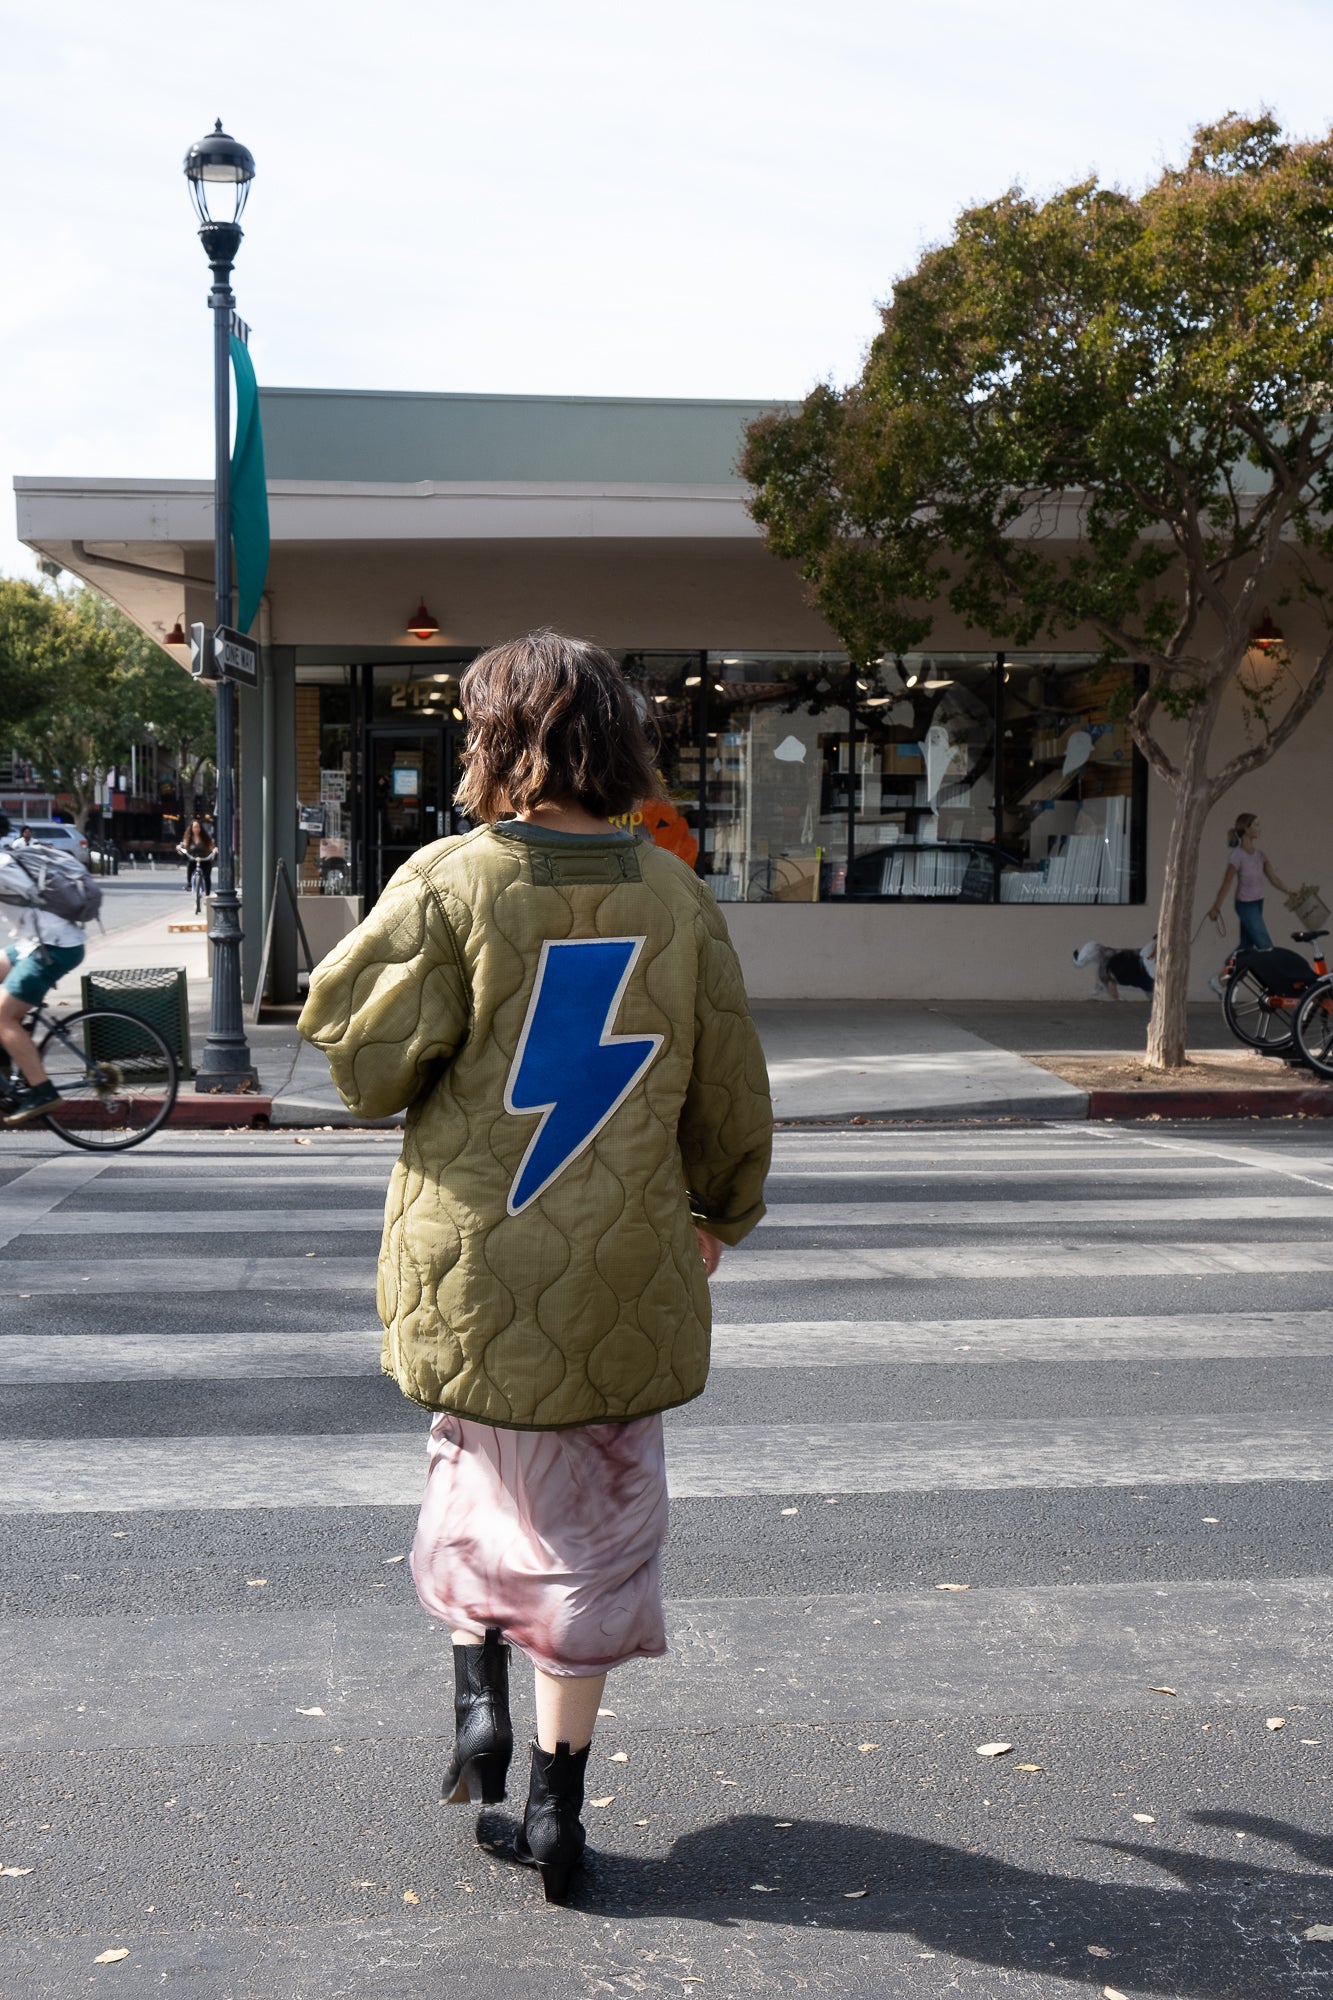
(564, 1021)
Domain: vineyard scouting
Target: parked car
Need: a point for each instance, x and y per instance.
(53, 833)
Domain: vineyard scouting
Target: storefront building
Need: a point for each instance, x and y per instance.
(948, 825)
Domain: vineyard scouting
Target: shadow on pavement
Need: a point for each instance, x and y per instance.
(1226, 1930)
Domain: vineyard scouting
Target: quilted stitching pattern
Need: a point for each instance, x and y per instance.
(591, 1305)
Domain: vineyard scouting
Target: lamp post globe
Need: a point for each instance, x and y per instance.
(219, 170)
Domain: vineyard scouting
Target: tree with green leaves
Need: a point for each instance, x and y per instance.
(87, 685)
(1101, 412)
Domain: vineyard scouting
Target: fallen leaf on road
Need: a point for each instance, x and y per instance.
(852, 1895)
(1276, 1722)
(602, 1802)
(389, 1561)
(110, 1957)
(1112, 1993)
(309, 1253)
(866, 1748)
(993, 1749)
(620, 1756)
(310, 1711)
(784, 1823)
(607, 1711)
(953, 1586)
(1027, 1767)
(640, 1822)
(1321, 1933)
(1145, 1819)
(1161, 1688)
(764, 1888)
(15, 1871)
(255, 1582)
(1212, 1520)
(1100, 1951)
(301, 1142)
(411, 1896)
(790, 1510)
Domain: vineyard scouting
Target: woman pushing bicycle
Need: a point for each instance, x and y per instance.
(558, 1007)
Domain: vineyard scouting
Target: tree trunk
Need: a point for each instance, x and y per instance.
(1191, 803)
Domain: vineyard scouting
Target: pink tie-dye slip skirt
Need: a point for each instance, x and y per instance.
(553, 1536)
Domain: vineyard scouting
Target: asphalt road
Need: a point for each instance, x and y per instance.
(1078, 1374)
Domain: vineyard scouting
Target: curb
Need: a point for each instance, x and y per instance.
(1195, 1104)
(204, 1111)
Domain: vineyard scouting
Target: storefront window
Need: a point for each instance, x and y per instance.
(667, 686)
(788, 778)
(1070, 795)
(925, 803)
(326, 775)
(778, 771)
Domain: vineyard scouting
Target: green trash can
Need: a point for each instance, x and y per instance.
(156, 995)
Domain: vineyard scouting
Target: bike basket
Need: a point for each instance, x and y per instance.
(159, 997)
(1311, 912)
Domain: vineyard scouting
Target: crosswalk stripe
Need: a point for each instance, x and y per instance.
(166, 1357)
(703, 1462)
(1168, 1337)
(1071, 1258)
(82, 1683)
(1080, 1212)
(35, 1194)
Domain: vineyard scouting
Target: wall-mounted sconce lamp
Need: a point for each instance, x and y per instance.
(176, 636)
(421, 624)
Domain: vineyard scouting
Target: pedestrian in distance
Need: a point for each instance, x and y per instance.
(557, 1006)
(1248, 867)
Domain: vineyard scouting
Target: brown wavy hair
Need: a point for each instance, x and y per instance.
(552, 721)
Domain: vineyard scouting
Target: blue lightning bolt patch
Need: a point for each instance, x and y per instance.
(568, 1064)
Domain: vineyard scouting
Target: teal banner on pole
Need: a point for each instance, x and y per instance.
(249, 490)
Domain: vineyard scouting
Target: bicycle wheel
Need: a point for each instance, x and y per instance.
(1314, 1027)
(116, 1077)
(1255, 1018)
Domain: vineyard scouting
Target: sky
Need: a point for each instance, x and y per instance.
(706, 198)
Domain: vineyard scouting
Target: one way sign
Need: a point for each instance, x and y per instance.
(223, 655)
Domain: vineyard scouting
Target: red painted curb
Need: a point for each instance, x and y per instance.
(1210, 1104)
(202, 1111)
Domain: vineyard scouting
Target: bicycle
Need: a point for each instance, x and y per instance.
(116, 1076)
(1264, 1018)
(197, 881)
(1314, 1025)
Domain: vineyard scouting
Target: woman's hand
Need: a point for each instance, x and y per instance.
(710, 1249)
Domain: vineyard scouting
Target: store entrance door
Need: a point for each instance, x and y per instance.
(409, 796)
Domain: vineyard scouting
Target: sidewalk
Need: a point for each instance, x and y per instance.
(898, 1060)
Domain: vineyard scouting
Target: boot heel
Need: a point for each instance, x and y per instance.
(482, 1780)
(556, 1879)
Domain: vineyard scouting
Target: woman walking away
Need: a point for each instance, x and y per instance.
(559, 1009)
(1247, 866)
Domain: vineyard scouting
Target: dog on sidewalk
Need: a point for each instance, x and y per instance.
(1117, 966)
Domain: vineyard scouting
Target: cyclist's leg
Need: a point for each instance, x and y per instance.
(25, 982)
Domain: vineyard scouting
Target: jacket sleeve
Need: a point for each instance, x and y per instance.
(390, 1001)
(726, 1125)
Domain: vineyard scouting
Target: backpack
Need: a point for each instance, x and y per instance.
(36, 877)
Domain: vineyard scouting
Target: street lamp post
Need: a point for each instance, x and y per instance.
(221, 163)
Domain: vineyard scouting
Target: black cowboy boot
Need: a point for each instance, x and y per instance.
(483, 1738)
(552, 1837)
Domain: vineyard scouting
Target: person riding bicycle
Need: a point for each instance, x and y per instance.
(47, 948)
(201, 851)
